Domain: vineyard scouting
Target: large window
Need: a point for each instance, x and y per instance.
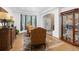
(34, 22)
(26, 20)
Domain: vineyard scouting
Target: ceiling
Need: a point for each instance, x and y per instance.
(29, 9)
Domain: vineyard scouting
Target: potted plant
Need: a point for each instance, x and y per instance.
(17, 31)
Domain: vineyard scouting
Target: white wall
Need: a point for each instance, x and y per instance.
(56, 32)
(39, 21)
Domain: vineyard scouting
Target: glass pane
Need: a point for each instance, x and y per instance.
(28, 20)
(68, 27)
(64, 27)
(77, 28)
(33, 21)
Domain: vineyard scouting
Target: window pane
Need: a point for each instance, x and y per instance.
(28, 20)
(33, 21)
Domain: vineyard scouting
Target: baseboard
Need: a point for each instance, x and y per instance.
(54, 36)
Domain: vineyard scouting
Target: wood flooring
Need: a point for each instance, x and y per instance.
(52, 44)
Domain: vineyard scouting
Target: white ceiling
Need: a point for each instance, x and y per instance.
(29, 9)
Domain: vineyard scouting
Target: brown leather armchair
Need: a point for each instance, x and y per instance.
(38, 36)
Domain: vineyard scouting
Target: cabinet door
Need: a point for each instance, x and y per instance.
(68, 27)
(0, 43)
(64, 27)
(77, 28)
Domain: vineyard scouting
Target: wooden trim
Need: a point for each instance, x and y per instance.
(69, 42)
(70, 11)
(73, 27)
(61, 26)
(3, 10)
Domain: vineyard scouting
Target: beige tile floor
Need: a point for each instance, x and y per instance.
(53, 44)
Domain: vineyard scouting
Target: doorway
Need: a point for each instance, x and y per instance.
(49, 23)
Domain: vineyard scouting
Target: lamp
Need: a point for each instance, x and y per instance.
(4, 17)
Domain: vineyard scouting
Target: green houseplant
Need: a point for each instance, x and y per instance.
(17, 31)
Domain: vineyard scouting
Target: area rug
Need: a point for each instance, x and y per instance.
(27, 44)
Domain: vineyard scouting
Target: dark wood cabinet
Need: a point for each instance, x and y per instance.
(7, 37)
(12, 35)
(70, 26)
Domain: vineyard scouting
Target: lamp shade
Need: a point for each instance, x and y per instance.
(4, 15)
(7, 16)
